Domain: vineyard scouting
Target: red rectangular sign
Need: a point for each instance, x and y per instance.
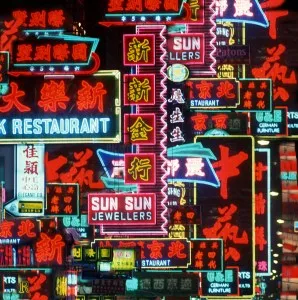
(186, 48)
(121, 209)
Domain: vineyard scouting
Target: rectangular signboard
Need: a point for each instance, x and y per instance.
(121, 209)
(154, 253)
(80, 110)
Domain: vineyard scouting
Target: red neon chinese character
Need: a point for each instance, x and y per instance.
(79, 52)
(259, 169)
(38, 19)
(261, 104)
(89, 96)
(200, 121)
(43, 53)
(58, 189)
(60, 52)
(204, 88)
(260, 237)
(24, 52)
(12, 100)
(260, 203)
(177, 216)
(67, 199)
(25, 228)
(224, 90)
(155, 248)
(212, 264)
(152, 5)
(115, 5)
(220, 121)
(36, 282)
(227, 231)
(5, 229)
(68, 209)
(247, 104)
(82, 157)
(9, 33)
(228, 168)
(176, 249)
(53, 96)
(274, 14)
(271, 68)
(171, 5)
(55, 209)
(48, 249)
(56, 18)
(55, 200)
(134, 5)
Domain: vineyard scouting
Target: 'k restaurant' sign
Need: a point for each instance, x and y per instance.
(68, 110)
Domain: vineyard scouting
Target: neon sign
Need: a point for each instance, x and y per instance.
(243, 11)
(191, 163)
(270, 123)
(156, 253)
(164, 11)
(62, 199)
(30, 178)
(186, 48)
(139, 49)
(83, 109)
(53, 53)
(140, 168)
(263, 212)
(233, 217)
(125, 209)
(139, 89)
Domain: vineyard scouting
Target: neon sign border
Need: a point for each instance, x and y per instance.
(268, 153)
(115, 139)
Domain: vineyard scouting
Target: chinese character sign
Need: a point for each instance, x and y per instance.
(85, 107)
(228, 210)
(30, 177)
(262, 211)
(62, 199)
(207, 255)
(139, 49)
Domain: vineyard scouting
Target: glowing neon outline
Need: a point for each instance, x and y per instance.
(117, 116)
(122, 222)
(64, 37)
(98, 240)
(259, 23)
(127, 79)
(222, 255)
(268, 152)
(193, 61)
(194, 150)
(153, 163)
(147, 14)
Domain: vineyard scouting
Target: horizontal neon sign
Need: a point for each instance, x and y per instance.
(68, 110)
(121, 209)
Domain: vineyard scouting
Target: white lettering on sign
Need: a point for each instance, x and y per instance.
(121, 208)
(9, 279)
(112, 203)
(55, 126)
(187, 43)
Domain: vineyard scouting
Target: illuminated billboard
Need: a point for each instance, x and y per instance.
(70, 110)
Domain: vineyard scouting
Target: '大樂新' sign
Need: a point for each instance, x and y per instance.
(77, 110)
(124, 209)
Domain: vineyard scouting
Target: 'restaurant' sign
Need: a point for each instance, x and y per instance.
(121, 209)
